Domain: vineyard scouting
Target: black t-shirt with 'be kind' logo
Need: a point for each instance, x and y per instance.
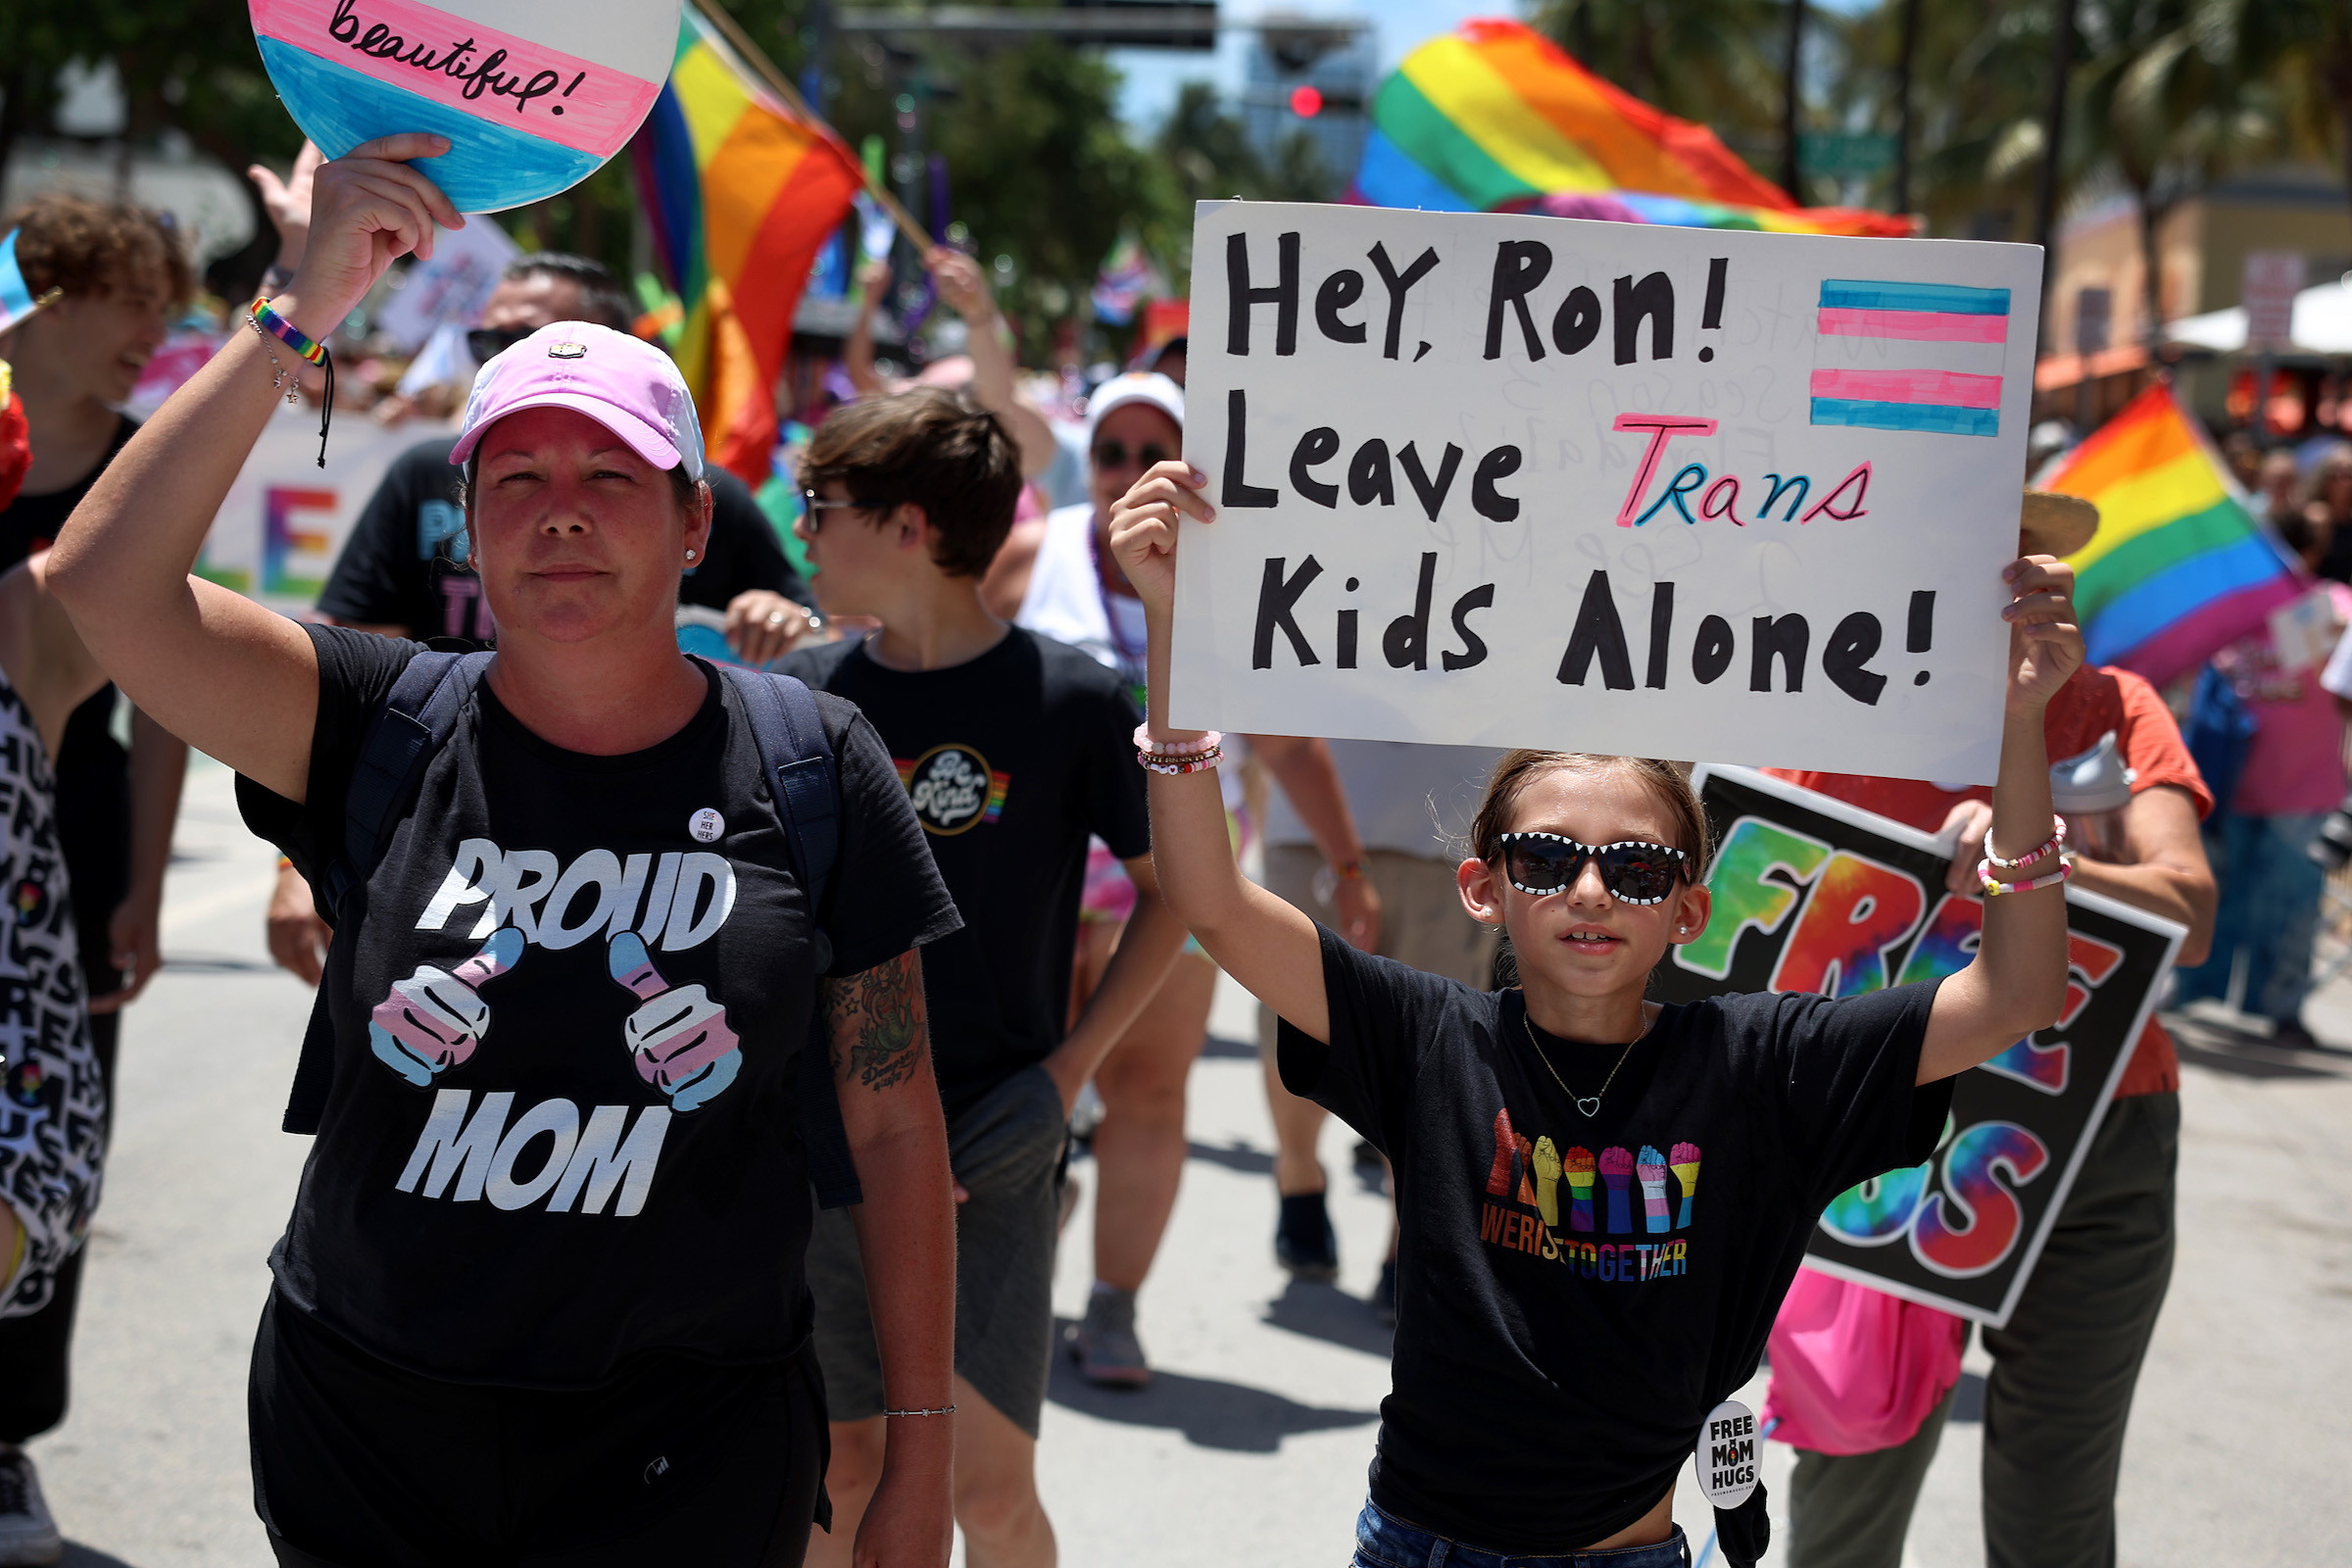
(1010, 761)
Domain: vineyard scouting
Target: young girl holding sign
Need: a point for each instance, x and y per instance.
(1570, 1305)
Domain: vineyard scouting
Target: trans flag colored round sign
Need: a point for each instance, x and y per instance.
(533, 95)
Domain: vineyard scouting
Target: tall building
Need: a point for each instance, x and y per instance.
(1311, 74)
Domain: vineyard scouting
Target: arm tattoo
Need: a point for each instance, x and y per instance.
(875, 1023)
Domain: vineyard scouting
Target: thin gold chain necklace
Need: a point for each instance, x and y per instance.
(1585, 1108)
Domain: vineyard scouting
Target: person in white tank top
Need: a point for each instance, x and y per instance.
(1055, 577)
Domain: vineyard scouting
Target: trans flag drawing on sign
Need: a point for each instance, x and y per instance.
(1931, 382)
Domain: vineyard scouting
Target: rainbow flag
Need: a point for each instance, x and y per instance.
(2179, 568)
(1494, 116)
(741, 192)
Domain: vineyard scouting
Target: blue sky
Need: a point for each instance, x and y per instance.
(1153, 77)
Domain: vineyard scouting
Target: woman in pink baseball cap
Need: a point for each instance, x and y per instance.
(542, 1294)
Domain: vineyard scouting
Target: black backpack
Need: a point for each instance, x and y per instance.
(417, 721)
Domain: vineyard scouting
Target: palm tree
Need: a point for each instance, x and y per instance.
(2173, 104)
(1712, 60)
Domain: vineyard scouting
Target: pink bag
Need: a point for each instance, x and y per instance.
(1855, 1370)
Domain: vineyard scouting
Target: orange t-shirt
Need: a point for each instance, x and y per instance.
(2096, 701)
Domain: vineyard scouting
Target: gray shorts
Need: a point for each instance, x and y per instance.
(1006, 1152)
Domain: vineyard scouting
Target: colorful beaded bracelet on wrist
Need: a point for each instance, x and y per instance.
(1994, 887)
(1351, 870)
(269, 321)
(1179, 765)
(2057, 836)
(1209, 741)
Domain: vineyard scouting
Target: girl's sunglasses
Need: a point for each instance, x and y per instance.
(818, 505)
(1113, 455)
(1633, 870)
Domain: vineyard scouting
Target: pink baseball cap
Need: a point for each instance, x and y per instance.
(629, 387)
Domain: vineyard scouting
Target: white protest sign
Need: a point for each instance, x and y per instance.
(276, 536)
(2304, 631)
(534, 97)
(451, 287)
(1537, 481)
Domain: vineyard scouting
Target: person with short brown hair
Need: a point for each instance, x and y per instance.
(1015, 750)
(120, 275)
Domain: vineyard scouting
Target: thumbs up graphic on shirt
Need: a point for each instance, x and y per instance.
(1617, 1170)
(678, 1036)
(432, 1020)
(1578, 1167)
(1651, 1167)
(1548, 1180)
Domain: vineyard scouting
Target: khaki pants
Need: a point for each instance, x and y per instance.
(1422, 921)
(2060, 1393)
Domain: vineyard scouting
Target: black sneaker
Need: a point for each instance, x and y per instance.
(1383, 1295)
(1305, 1242)
(28, 1535)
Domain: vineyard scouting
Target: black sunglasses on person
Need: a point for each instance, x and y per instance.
(1632, 870)
(818, 505)
(487, 343)
(1113, 455)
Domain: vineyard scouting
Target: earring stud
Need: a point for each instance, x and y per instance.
(689, 555)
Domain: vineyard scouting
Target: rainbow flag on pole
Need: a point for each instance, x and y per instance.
(741, 191)
(1496, 117)
(2179, 569)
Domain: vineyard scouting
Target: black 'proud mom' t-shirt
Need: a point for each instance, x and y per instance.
(563, 1125)
(1575, 1293)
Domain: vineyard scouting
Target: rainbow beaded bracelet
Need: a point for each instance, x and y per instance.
(266, 319)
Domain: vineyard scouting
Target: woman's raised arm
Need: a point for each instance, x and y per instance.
(217, 669)
(1256, 938)
(2017, 982)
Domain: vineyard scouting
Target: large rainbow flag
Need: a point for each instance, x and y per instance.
(741, 191)
(2179, 569)
(1496, 117)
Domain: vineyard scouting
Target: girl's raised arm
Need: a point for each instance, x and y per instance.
(1256, 938)
(2017, 982)
(217, 669)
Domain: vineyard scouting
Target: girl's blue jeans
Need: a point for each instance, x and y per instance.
(1384, 1540)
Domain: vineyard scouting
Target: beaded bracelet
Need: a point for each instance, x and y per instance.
(1176, 766)
(2057, 836)
(945, 1410)
(1209, 741)
(1994, 887)
(268, 321)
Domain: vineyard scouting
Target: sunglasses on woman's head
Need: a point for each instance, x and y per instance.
(1633, 870)
(1113, 455)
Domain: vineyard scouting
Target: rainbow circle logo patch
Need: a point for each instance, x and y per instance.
(533, 96)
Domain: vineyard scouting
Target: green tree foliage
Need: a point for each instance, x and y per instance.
(1717, 62)
(189, 63)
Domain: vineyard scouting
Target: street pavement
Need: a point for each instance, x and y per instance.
(1251, 1445)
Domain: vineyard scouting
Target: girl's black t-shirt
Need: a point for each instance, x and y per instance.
(563, 1126)
(1572, 1299)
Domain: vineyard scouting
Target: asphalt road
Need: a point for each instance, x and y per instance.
(1250, 1447)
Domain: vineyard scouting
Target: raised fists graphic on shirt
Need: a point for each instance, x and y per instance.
(432, 1020)
(1532, 1173)
(678, 1036)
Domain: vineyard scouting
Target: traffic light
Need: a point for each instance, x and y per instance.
(1306, 102)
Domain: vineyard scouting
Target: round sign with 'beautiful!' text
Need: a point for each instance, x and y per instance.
(533, 95)
(1730, 1459)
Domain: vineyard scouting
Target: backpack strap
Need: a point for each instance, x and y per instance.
(417, 717)
(798, 763)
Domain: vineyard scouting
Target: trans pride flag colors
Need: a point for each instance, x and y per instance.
(741, 191)
(16, 296)
(527, 114)
(1867, 315)
(2179, 568)
(1494, 116)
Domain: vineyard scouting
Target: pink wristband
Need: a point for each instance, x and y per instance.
(1994, 887)
(1144, 744)
(2057, 838)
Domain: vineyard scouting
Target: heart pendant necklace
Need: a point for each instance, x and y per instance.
(1587, 1106)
